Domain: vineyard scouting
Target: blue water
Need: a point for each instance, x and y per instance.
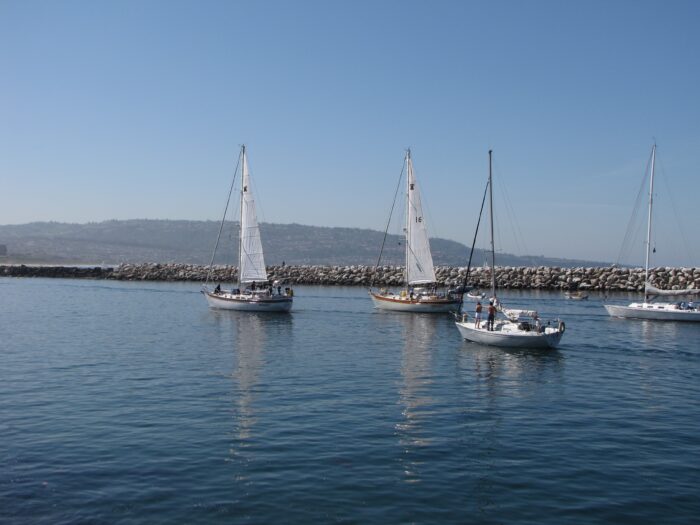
(135, 403)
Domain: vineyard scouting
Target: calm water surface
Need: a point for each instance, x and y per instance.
(135, 403)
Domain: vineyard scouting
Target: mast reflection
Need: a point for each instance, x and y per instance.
(418, 333)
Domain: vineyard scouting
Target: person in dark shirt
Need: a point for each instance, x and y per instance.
(491, 317)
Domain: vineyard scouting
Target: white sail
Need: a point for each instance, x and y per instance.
(252, 262)
(419, 261)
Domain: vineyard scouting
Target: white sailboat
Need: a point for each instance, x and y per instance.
(514, 328)
(420, 293)
(648, 309)
(254, 292)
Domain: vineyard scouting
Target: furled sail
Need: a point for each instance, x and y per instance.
(514, 314)
(419, 261)
(252, 262)
(652, 290)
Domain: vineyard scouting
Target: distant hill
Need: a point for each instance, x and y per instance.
(113, 242)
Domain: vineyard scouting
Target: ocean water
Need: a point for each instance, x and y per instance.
(135, 403)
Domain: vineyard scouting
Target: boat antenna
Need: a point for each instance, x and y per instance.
(221, 227)
(386, 230)
(471, 253)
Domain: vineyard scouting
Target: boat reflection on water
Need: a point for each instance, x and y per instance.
(247, 337)
(504, 370)
(418, 333)
(495, 381)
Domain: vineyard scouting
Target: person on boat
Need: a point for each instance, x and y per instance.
(217, 290)
(477, 314)
(491, 317)
(279, 290)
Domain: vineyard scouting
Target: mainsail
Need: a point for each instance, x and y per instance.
(252, 262)
(419, 261)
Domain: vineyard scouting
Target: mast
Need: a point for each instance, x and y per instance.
(408, 214)
(651, 201)
(493, 250)
(240, 219)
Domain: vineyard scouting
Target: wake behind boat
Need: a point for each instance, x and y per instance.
(648, 309)
(420, 293)
(254, 292)
(514, 328)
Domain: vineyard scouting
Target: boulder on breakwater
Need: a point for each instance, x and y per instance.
(522, 277)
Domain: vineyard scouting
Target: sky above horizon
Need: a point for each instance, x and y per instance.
(137, 109)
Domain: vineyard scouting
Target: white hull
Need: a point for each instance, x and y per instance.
(507, 335)
(398, 303)
(249, 302)
(653, 311)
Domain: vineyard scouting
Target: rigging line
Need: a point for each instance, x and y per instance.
(691, 259)
(388, 223)
(228, 200)
(471, 253)
(629, 233)
(517, 233)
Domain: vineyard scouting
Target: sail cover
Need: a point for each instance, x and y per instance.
(652, 290)
(514, 313)
(252, 262)
(419, 261)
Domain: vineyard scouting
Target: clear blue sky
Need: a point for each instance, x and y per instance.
(136, 109)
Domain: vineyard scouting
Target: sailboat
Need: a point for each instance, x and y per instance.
(420, 293)
(254, 292)
(514, 328)
(648, 309)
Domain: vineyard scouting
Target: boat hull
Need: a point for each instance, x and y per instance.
(247, 303)
(652, 312)
(406, 304)
(510, 339)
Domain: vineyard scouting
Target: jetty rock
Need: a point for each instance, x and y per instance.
(507, 277)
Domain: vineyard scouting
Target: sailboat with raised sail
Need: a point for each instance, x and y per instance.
(514, 328)
(420, 293)
(254, 292)
(648, 309)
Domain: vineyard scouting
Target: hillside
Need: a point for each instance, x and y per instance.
(114, 242)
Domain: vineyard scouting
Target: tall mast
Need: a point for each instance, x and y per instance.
(409, 174)
(493, 250)
(651, 201)
(244, 169)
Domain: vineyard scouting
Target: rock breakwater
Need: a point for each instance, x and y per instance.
(519, 278)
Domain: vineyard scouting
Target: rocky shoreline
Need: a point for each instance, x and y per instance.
(519, 278)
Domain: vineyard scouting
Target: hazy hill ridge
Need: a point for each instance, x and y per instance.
(182, 241)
